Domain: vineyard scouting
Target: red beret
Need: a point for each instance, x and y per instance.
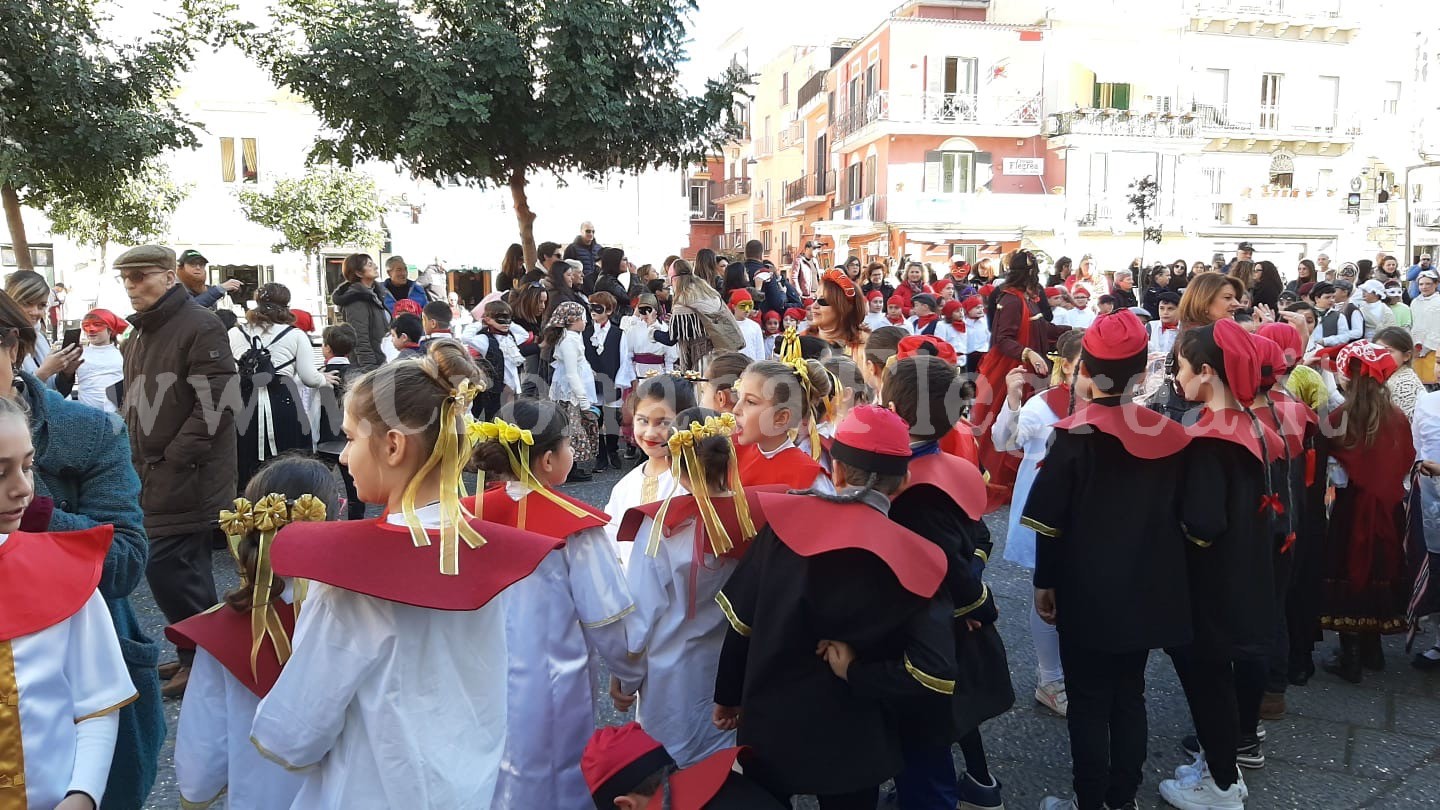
(772, 315)
(1287, 337)
(926, 344)
(738, 297)
(796, 313)
(950, 308)
(874, 294)
(1305, 289)
(1242, 361)
(303, 321)
(874, 439)
(405, 305)
(1051, 292)
(1117, 336)
(940, 285)
(972, 302)
(1272, 359)
(116, 324)
(620, 754)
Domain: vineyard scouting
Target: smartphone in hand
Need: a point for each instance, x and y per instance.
(72, 338)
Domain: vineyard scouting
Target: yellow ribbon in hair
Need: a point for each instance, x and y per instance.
(517, 443)
(268, 516)
(682, 449)
(451, 455)
(791, 355)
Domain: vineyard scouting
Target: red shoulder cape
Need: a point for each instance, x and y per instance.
(684, 508)
(960, 442)
(225, 634)
(791, 467)
(960, 480)
(811, 526)
(379, 559)
(1234, 426)
(46, 577)
(1144, 433)
(1057, 399)
(694, 787)
(542, 515)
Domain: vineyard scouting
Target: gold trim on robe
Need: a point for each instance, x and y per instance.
(12, 745)
(929, 681)
(740, 627)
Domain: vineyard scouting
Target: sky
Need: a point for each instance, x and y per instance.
(770, 26)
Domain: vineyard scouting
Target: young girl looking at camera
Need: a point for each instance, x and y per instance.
(242, 645)
(558, 618)
(656, 403)
(400, 650)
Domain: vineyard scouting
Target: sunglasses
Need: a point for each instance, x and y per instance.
(137, 276)
(822, 301)
(589, 232)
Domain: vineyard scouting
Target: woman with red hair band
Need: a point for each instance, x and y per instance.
(840, 315)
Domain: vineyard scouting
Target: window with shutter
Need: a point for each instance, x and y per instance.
(984, 171)
(251, 160)
(931, 182)
(1111, 96)
(872, 176)
(227, 160)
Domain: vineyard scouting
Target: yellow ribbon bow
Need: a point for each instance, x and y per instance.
(682, 448)
(791, 355)
(268, 516)
(451, 455)
(517, 443)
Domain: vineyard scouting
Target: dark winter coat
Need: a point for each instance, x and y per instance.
(363, 308)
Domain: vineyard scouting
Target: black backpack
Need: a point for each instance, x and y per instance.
(254, 367)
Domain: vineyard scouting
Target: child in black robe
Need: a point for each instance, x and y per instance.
(837, 621)
(1115, 588)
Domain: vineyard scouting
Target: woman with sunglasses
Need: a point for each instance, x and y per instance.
(614, 266)
(82, 471)
(839, 315)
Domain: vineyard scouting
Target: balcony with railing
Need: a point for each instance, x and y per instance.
(939, 113)
(1122, 123)
(809, 190)
(734, 188)
(1314, 20)
(764, 146)
(708, 211)
(728, 242)
(811, 90)
(873, 208)
(1275, 121)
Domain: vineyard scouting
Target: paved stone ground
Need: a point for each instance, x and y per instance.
(1371, 746)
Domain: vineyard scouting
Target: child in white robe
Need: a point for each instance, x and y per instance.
(572, 610)
(654, 405)
(213, 753)
(60, 661)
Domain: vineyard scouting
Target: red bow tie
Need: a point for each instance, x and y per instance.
(1169, 327)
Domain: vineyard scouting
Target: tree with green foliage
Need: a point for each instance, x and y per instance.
(1144, 200)
(80, 113)
(133, 213)
(492, 91)
(328, 206)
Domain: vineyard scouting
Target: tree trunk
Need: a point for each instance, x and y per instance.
(524, 216)
(17, 227)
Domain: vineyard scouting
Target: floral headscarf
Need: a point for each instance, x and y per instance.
(566, 314)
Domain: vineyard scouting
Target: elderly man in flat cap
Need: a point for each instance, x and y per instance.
(177, 369)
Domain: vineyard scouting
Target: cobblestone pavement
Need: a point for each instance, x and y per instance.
(1376, 745)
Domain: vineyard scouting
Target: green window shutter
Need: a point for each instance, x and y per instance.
(1121, 96)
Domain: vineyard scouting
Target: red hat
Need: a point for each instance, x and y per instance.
(303, 320)
(987, 289)
(772, 315)
(405, 305)
(1242, 360)
(1272, 359)
(1305, 289)
(926, 345)
(972, 302)
(796, 313)
(116, 324)
(1364, 357)
(951, 307)
(1287, 337)
(618, 758)
(874, 439)
(738, 297)
(1117, 336)
(874, 294)
(940, 285)
(1051, 292)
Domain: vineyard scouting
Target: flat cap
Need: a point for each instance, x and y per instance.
(146, 256)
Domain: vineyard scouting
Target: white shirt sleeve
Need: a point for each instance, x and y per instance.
(100, 684)
(202, 753)
(1036, 420)
(305, 368)
(94, 748)
(298, 723)
(569, 354)
(602, 599)
(626, 375)
(1006, 426)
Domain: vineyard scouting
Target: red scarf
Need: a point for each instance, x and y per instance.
(897, 320)
(924, 321)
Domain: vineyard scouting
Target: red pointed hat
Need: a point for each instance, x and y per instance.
(116, 324)
(1287, 337)
(1272, 359)
(796, 313)
(1242, 360)
(916, 345)
(304, 321)
(972, 302)
(617, 759)
(874, 294)
(1051, 292)
(1117, 336)
(772, 315)
(874, 439)
(951, 307)
(738, 297)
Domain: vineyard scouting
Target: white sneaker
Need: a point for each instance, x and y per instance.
(1052, 696)
(1200, 769)
(1055, 803)
(1202, 793)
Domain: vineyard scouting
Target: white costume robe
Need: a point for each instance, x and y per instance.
(754, 339)
(639, 338)
(66, 684)
(387, 705)
(636, 489)
(1029, 430)
(682, 652)
(576, 601)
(214, 758)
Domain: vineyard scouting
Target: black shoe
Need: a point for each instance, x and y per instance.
(1302, 669)
(1372, 655)
(614, 458)
(577, 476)
(1346, 661)
(1248, 753)
(601, 465)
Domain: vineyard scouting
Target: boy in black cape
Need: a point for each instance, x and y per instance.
(1115, 588)
(837, 616)
(628, 769)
